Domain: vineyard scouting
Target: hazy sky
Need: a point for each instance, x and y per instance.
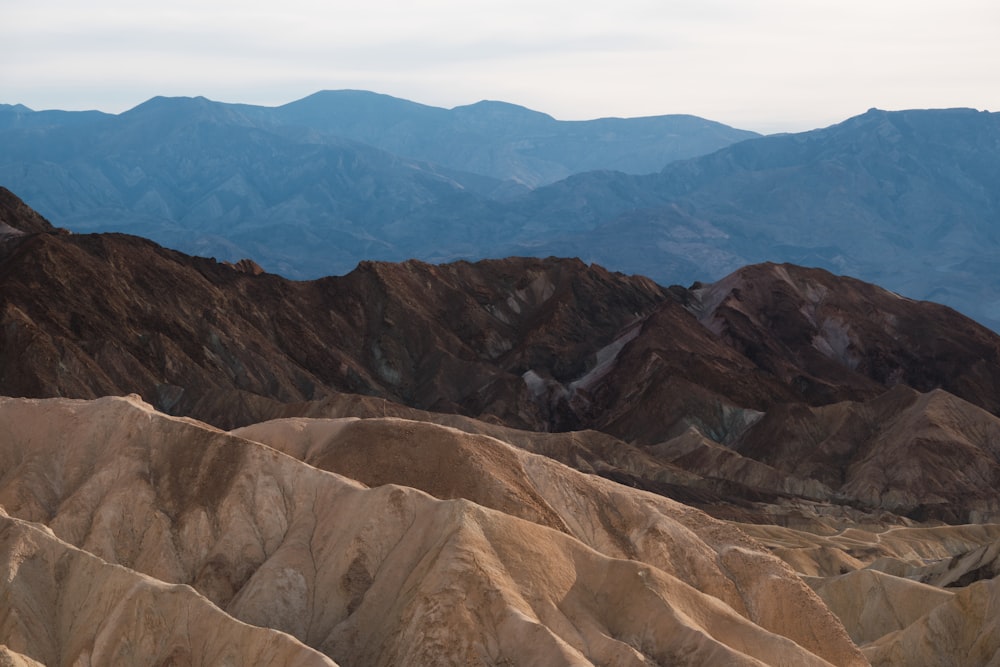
(766, 65)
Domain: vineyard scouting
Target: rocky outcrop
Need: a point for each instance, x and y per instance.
(17, 218)
(889, 586)
(963, 630)
(872, 604)
(927, 456)
(610, 518)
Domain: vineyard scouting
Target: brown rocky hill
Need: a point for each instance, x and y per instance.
(121, 314)
(544, 344)
(722, 394)
(833, 337)
(18, 218)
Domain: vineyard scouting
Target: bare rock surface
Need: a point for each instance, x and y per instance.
(908, 595)
(17, 218)
(923, 455)
(835, 338)
(608, 517)
(200, 338)
(964, 630)
(64, 606)
(9, 658)
(873, 604)
(391, 575)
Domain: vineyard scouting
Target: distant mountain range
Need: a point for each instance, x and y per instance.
(495, 139)
(295, 188)
(906, 199)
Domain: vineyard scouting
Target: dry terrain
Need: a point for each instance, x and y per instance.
(512, 462)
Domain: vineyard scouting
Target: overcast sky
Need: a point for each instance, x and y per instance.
(766, 65)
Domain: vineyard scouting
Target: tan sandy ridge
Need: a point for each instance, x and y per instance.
(391, 575)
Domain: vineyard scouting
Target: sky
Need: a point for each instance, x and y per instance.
(764, 65)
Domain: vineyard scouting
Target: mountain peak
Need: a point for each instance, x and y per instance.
(172, 109)
(495, 109)
(181, 106)
(172, 102)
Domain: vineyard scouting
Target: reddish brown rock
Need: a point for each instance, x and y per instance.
(705, 394)
(833, 338)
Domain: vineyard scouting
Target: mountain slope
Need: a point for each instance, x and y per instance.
(905, 199)
(17, 218)
(461, 346)
(931, 641)
(389, 575)
(209, 179)
(63, 605)
(533, 341)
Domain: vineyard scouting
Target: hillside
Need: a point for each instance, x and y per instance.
(383, 575)
(505, 462)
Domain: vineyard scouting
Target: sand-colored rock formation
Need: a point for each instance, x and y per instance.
(894, 587)
(965, 630)
(872, 604)
(9, 658)
(608, 517)
(391, 575)
(64, 606)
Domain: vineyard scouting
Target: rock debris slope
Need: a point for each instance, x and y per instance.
(391, 575)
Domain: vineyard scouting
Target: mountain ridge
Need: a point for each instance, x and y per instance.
(542, 345)
(904, 199)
